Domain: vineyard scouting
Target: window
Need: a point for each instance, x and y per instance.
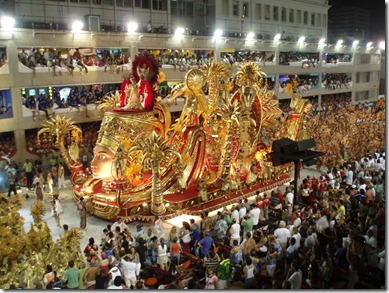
(283, 14)
(275, 13)
(298, 16)
(235, 8)
(98, 2)
(267, 12)
(258, 11)
(225, 8)
(145, 3)
(324, 20)
(313, 19)
(124, 3)
(291, 15)
(245, 9)
(305, 17)
(77, 1)
(318, 22)
(159, 5)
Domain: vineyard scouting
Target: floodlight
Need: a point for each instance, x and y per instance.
(277, 37)
(322, 40)
(301, 40)
(77, 26)
(218, 33)
(382, 45)
(339, 43)
(355, 43)
(369, 44)
(250, 36)
(132, 27)
(179, 31)
(7, 23)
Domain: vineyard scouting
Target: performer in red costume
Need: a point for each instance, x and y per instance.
(146, 94)
(145, 69)
(123, 97)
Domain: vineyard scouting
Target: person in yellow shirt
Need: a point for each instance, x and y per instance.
(341, 213)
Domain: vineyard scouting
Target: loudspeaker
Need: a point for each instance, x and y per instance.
(278, 145)
(303, 145)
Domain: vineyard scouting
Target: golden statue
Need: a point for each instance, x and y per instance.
(301, 107)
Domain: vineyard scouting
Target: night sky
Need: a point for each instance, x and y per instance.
(377, 14)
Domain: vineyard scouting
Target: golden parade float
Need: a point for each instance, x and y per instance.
(145, 165)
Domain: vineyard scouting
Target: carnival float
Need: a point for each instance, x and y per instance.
(215, 153)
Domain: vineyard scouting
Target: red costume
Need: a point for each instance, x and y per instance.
(123, 93)
(146, 93)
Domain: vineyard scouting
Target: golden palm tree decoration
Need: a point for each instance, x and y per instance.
(110, 102)
(156, 153)
(216, 76)
(61, 127)
(249, 74)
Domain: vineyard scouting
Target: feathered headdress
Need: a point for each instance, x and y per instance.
(145, 64)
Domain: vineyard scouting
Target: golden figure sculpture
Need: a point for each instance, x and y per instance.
(301, 107)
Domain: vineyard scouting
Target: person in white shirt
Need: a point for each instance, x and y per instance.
(117, 284)
(254, 213)
(296, 234)
(242, 211)
(289, 200)
(282, 234)
(295, 275)
(349, 177)
(119, 223)
(129, 268)
(235, 232)
(235, 214)
(331, 180)
(112, 274)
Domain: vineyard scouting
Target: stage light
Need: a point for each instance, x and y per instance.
(322, 40)
(339, 43)
(301, 40)
(132, 27)
(277, 37)
(179, 32)
(382, 45)
(77, 26)
(250, 36)
(218, 33)
(355, 43)
(369, 45)
(7, 23)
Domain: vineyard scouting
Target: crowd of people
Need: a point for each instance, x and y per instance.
(332, 81)
(71, 59)
(305, 82)
(78, 98)
(335, 101)
(336, 58)
(331, 235)
(307, 60)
